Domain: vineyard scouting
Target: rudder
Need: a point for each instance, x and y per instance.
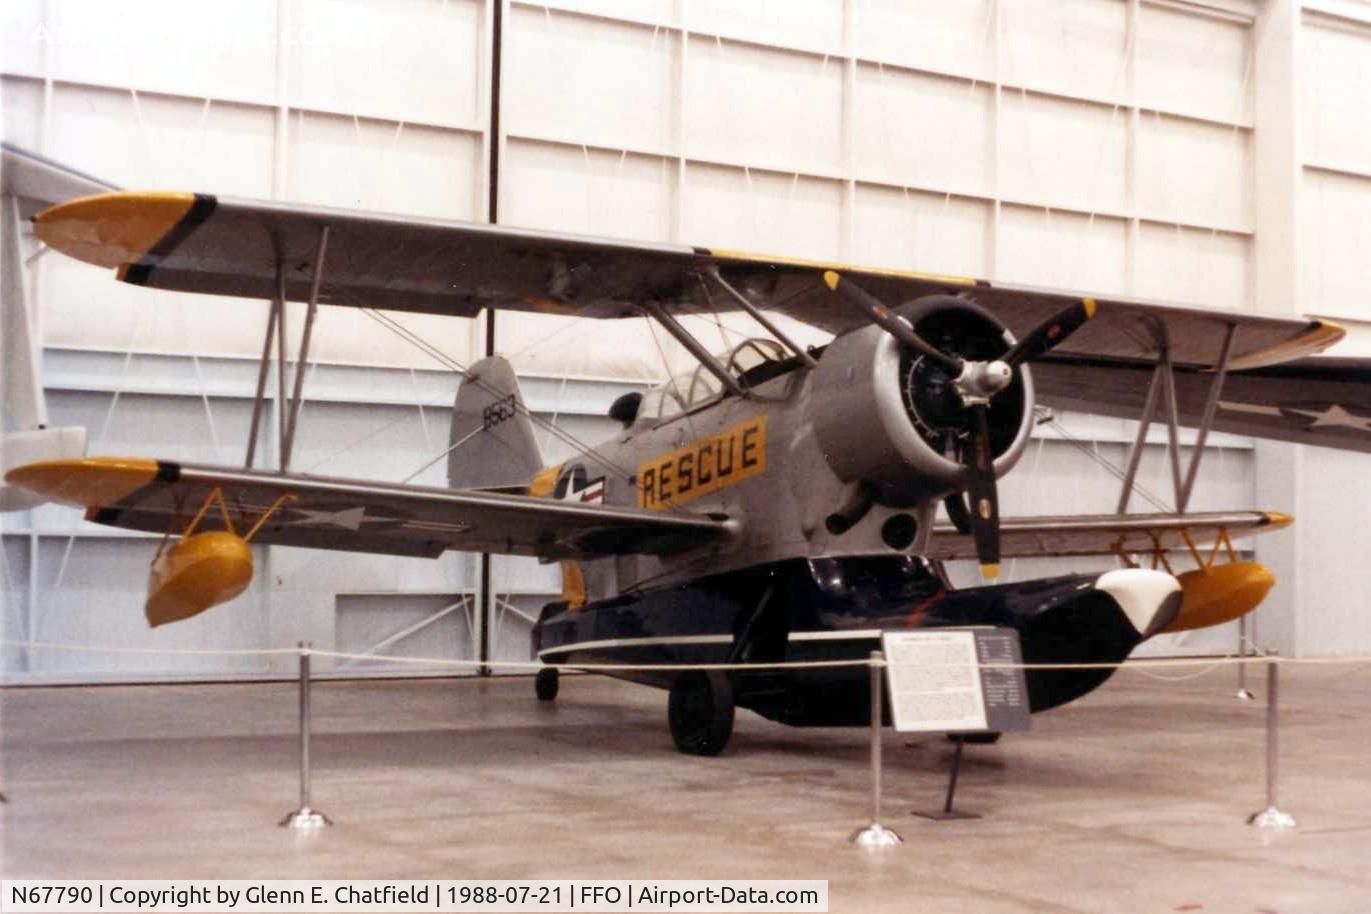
(491, 441)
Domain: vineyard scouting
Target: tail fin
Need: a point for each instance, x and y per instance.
(492, 436)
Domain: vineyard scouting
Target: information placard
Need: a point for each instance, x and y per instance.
(956, 680)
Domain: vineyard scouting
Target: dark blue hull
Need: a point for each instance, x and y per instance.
(834, 609)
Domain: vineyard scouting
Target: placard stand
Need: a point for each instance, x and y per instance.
(947, 812)
(959, 681)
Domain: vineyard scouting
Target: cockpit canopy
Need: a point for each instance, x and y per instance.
(750, 362)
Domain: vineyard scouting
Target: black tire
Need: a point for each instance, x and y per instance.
(985, 738)
(545, 684)
(700, 712)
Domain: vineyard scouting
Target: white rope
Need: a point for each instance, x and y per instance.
(1141, 664)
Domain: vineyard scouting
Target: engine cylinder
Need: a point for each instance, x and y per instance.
(892, 419)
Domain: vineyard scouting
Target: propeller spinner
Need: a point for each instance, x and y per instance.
(973, 383)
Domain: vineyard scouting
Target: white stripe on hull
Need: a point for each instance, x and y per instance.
(853, 635)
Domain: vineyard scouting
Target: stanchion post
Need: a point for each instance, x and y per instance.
(1272, 816)
(1244, 693)
(305, 816)
(876, 834)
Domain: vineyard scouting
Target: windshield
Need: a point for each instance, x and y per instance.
(751, 361)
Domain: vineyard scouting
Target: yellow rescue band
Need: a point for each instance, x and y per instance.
(704, 466)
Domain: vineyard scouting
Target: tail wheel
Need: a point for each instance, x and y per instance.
(545, 684)
(700, 712)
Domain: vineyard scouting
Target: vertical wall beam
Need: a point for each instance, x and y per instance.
(992, 239)
(496, 148)
(847, 228)
(1133, 230)
(1275, 265)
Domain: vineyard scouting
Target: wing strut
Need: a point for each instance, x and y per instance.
(288, 415)
(1163, 385)
(712, 271)
(693, 346)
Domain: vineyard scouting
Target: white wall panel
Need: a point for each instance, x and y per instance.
(146, 140)
(1335, 244)
(816, 24)
(220, 50)
(1194, 172)
(1064, 250)
(1336, 118)
(21, 111)
(589, 191)
(425, 69)
(1062, 153)
(1069, 46)
(22, 34)
(585, 347)
(951, 36)
(762, 211)
(348, 336)
(383, 165)
(656, 11)
(1194, 64)
(85, 307)
(926, 131)
(589, 81)
(1190, 265)
(97, 601)
(912, 230)
(764, 107)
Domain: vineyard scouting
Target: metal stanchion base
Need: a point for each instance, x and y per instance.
(1245, 695)
(1271, 817)
(304, 817)
(943, 814)
(875, 835)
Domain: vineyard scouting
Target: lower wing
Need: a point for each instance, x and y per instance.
(358, 516)
(1109, 534)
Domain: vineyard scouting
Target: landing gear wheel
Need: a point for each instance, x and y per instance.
(545, 684)
(700, 712)
(976, 739)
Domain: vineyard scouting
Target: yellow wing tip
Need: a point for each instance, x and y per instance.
(114, 228)
(1090, 306)
(86, 481)
(1278, 519)
(831, 279)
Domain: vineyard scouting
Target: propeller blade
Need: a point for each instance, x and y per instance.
(1050, 332)
(958, 513)
(893, 324)
(985, 504)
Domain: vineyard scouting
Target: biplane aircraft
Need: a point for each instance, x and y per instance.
(777, 503)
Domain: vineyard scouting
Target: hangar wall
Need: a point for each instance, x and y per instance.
(1109, 145)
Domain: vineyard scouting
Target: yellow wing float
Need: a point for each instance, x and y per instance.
(1219, 589)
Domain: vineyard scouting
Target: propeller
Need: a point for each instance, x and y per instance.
(975, 383)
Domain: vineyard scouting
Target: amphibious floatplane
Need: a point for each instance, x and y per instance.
(777, 503)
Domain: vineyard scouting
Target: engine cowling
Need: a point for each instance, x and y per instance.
(893, 420)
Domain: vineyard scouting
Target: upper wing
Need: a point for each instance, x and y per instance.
(39, 182)
(356, 516)
(201, 243)
(1323, 401)
(1106, 534)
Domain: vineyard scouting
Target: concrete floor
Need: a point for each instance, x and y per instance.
(1132, 799)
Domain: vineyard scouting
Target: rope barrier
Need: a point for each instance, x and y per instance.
(1138, 664)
